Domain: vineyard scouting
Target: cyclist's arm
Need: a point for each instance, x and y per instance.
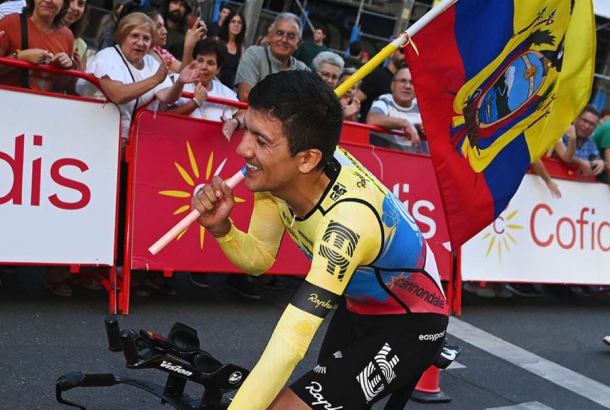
(331, 269)
(254, 252)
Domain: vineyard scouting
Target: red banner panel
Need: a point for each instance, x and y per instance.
(174, 156)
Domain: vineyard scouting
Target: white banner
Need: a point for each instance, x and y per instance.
(540, 239)
(602, 8)
(58, 179)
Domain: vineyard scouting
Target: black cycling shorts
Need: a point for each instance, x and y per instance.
(365, 358)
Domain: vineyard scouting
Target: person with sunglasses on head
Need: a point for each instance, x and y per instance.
(258, 62)
(378, 82)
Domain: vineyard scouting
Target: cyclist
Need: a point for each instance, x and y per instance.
(367, 255)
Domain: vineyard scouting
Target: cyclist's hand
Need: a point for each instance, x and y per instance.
(215, 202)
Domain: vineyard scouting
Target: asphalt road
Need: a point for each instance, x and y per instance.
(43, 336)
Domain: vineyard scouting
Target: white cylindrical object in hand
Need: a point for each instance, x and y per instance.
(191, 217)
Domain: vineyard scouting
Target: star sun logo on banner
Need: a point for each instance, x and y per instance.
(196, 181)
(500, 230)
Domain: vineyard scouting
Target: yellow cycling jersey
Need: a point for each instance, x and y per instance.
(362, 243)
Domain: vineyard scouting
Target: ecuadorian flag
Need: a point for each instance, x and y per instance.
(498, 83)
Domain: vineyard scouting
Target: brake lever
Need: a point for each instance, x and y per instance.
(67, 382)
(79, 379)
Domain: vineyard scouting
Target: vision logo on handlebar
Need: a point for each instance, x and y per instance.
(176, 368)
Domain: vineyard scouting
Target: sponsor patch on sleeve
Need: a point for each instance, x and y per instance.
(314, 299)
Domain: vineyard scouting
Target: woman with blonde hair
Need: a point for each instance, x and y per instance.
(129, 75)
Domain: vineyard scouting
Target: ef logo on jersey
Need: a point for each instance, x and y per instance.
(338, 238)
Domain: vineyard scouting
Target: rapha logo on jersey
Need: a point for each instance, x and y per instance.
(432, 337)
(320, 369)
(313, 298)
(341, 238)
(235, 377)
(315, 389)
(175, 368)
(371, 380)
(338, 354)
(338, 190)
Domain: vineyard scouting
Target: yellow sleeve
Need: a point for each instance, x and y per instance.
(285, 349)
(254, 252)
(346, 248)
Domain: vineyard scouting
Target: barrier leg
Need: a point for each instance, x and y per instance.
(112, 294)
(428, 388)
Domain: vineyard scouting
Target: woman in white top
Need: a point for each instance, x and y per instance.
(129, 76)
(210, 54)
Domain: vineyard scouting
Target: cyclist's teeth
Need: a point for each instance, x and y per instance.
(252, 167)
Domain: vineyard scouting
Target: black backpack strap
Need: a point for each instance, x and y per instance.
(135, 107)
(25, 74)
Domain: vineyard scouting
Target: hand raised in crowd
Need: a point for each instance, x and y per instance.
(571, 132)
(351, 108)
(190, 73)
(196, 33)
(554, 189)
(215, 202)
(228, 127)
(161, 73)
(35, 56)
(62, 60)
(411, 131)
(201, 93)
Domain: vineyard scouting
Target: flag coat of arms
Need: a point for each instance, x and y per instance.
(498, 83)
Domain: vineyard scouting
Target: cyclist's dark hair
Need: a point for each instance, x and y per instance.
(309, 111)
(212, 46)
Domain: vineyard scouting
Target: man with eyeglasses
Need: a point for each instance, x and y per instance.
(378, 82)
(258, 62)
(311, 48)
(398, 110)
(577, 145)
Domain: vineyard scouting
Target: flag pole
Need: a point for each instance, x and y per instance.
(400, 41)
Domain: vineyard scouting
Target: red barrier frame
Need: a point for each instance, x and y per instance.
(110, 284)
(130, 154)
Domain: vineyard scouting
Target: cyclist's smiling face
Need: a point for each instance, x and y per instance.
(265, 149)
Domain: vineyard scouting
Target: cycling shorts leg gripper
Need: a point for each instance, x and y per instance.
(384, 360)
